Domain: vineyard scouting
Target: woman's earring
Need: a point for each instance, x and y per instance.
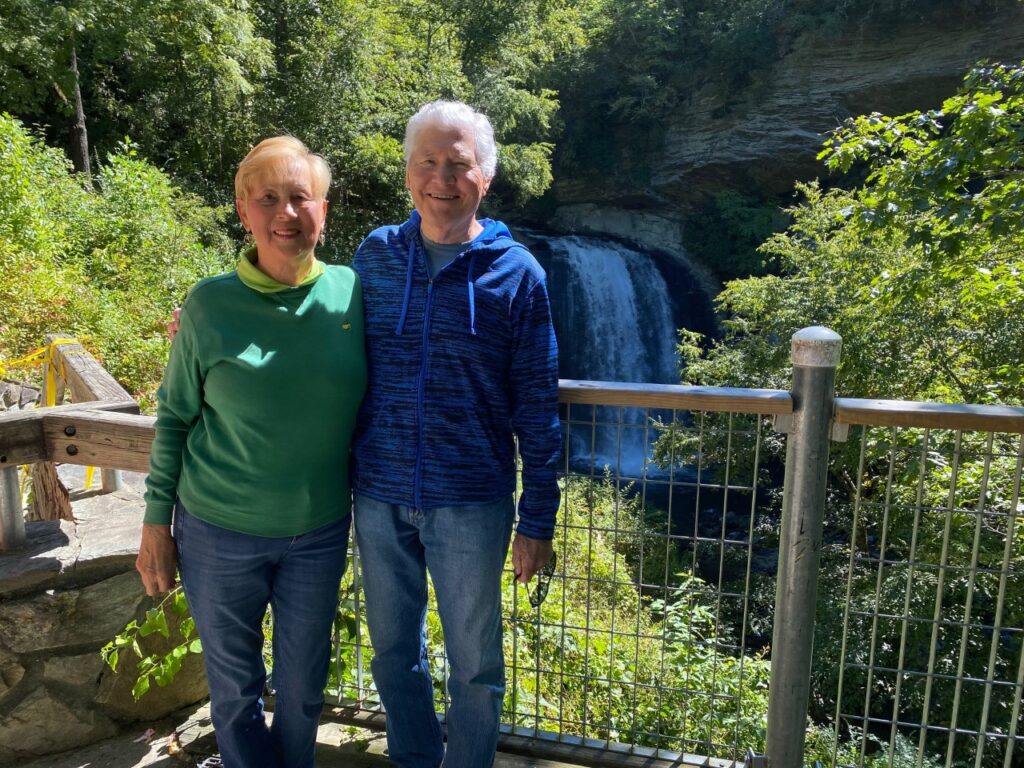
(247, 240)
(323, 236)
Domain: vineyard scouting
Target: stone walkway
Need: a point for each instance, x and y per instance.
(185, 739)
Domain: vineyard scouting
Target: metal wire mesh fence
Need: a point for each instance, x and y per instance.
(931, 643)
(654, 637)
(643, 640)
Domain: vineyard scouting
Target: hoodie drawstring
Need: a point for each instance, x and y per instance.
(470, 291)
(408, 287)
(472, 295)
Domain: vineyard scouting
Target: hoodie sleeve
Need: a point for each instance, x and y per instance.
(534, 380)
(179, 401)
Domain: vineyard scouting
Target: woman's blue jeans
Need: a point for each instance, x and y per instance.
(229, 579)
(464, 549)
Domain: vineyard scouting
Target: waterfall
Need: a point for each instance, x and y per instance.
(616, 318)
(619, 316)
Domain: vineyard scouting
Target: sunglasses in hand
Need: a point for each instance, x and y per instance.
(540, 591)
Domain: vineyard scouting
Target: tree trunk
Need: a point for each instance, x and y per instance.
(79, 135)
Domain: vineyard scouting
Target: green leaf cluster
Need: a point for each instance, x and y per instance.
(159, 667)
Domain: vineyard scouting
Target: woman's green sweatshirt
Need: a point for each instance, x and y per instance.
(257, 406)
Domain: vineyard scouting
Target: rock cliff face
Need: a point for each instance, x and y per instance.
(765, 137)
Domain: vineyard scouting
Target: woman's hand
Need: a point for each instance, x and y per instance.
(158, 559)
(174, 323)
(529, 556)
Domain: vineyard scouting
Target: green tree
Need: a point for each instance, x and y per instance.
(921, 270)
(107, 264)
(172, 74)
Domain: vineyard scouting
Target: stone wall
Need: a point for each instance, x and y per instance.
(63, 598)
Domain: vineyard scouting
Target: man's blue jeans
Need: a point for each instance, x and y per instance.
(229, 579)
(464, 549)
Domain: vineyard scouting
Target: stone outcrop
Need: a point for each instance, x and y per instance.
(63, 598)
(766, 136)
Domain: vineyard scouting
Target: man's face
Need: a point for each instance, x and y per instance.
(445, 179)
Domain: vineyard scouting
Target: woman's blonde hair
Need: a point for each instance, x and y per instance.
(272, 157)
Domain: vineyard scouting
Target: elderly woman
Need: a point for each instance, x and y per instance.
(250, 460)
(462, 362)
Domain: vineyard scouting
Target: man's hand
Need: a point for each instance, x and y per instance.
(174, 323)
(158, 559)
(529, 556)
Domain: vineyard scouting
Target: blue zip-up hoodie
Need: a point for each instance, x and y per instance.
(458, 365)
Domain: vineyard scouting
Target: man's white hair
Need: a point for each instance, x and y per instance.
(450, 113)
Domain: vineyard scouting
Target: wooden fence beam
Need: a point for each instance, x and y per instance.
(83, 375)
(111, 440)
(22, 440)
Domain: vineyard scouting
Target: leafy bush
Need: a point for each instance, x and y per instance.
(105, 265)
(921, 271)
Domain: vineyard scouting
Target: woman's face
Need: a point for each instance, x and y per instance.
(445, 178)
(284, 214)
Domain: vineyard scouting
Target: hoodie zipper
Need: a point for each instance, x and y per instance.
(417, 485)
(421, 386)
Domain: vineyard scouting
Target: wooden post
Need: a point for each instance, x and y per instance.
(50, 499)
(87, 380)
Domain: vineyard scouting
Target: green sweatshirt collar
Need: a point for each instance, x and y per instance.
(251, 275)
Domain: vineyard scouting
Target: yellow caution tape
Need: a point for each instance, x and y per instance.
(35, 357)
(46, 356)
(41, 356)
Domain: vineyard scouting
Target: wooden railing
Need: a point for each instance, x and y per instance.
(42, 437)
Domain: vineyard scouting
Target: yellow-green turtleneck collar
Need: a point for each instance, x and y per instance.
(251, 275)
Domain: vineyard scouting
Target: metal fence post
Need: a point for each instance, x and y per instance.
(815, 358)
(111, 480)
(12, 516)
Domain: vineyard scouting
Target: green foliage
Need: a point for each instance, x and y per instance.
(631, 666)
(107, 265)
(172, 74)
(920, 271)
(948, 184)
(196, 84)
(159, 667)
(823, 749)
(727, 231)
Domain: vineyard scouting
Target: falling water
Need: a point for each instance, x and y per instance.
(620, 315)
(616, 321)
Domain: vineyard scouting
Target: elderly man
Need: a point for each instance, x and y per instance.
(462, 361)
